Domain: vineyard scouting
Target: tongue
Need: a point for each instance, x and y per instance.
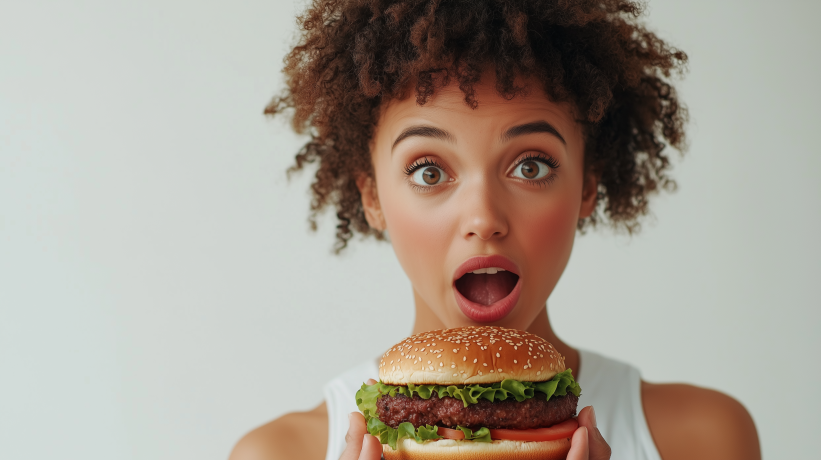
(486, 289)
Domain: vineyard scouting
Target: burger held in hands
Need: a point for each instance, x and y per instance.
(479, 393)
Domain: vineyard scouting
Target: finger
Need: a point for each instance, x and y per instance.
(353, 439)
(599, 449)
(578, 445)
(371, 382)
(371, 448)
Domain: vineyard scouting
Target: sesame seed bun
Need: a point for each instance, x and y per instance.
(468, 355)
(447, 449)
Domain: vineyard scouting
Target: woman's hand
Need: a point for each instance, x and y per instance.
(360, 444)
(587, 442)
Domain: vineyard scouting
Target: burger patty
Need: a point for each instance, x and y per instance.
(450, 412)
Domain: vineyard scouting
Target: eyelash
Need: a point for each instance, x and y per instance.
(421, 163)
(548, 160)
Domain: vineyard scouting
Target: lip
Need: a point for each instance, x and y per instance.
(497, 310)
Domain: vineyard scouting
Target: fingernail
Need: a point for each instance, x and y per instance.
(593, 416)
(350, 420)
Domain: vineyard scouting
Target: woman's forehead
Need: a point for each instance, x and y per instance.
(447, 107)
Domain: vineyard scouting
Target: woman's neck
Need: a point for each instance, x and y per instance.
(426, 320)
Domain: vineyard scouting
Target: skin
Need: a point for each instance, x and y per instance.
(481, 206)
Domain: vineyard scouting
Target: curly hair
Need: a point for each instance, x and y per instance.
(353, 56)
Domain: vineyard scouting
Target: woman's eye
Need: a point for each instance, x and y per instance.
(429, 175)
(531, 169)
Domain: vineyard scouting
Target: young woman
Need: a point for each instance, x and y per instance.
(489, 132)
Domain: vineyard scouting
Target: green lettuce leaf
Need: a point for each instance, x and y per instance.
(366, 399)
(560, 385)
(426, 433)
(391, 436)
(480, 435)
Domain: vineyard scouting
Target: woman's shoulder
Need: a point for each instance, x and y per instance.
(295, 435)
(688, 422)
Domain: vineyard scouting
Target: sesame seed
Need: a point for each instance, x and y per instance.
(515, 362)
(484, 364)
(497, 355)
(475, 360)
(453, 365)
(454, 350)
(500, 370)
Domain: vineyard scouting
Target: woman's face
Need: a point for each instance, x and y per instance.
(481, 205)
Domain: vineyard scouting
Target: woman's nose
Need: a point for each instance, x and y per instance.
(483, 214)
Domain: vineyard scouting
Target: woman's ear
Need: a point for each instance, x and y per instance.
(370, 202)
(590, 193)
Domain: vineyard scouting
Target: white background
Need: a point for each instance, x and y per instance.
(160, 293)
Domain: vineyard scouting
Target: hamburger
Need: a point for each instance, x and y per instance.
(479, 393)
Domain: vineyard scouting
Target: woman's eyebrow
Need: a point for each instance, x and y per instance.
(531, 128)
(424, 131)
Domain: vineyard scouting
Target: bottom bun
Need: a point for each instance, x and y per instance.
(448, 449)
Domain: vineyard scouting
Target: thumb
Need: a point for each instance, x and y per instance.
(359, 444)
(579, 449)
(599, 449)
(371, 448)
(353, 439)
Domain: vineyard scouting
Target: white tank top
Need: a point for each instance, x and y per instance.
(613, 388)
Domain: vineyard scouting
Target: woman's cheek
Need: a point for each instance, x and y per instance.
(547, 233)
(420, 238)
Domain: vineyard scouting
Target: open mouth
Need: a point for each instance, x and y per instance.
(486, 286)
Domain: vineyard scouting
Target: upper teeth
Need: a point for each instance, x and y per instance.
(489, 271)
